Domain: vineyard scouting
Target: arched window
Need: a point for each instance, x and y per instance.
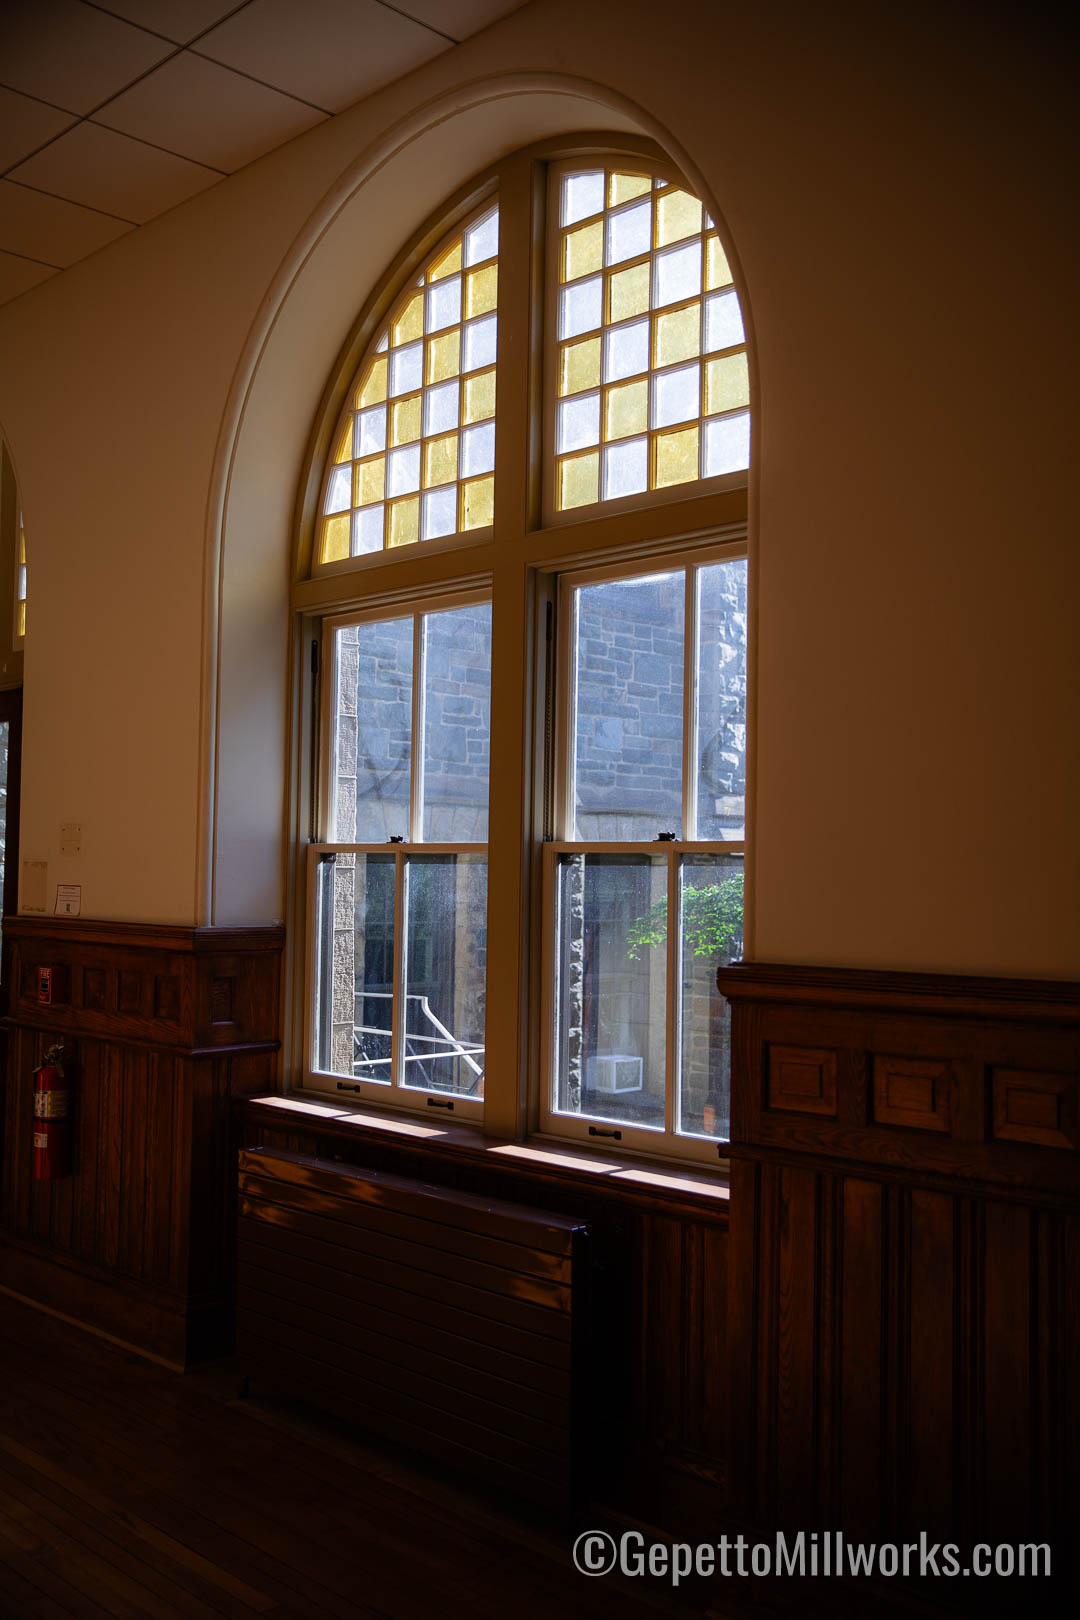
(526, 608)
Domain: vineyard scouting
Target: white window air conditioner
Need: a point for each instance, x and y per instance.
(614, 1072)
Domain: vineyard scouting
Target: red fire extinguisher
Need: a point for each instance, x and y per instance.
(52, 1122)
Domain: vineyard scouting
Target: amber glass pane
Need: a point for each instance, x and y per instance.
(677, 215)
(628, 293)
(405, 420)
(370, 482)
(410, 324)
(727, 384)
(405, 521)
(717, 271)
(580, 366)
(678, 335)
(482, 290)
(440, 460)
(336, 538)
(373, 388)
(480, 397)
(627, 410)
(623, 187)
(478, 502)
(676, 457)
(444, 356)
(579, 480)
(448, 265)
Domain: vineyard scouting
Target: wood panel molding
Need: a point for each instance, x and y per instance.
(903, 1325)
(137, 1241)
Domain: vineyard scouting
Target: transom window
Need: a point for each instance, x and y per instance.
(542, 682)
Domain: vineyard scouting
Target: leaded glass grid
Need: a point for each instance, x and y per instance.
(413, 455)
(651, 370)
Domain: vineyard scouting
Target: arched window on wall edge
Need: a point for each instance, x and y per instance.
(556, 382)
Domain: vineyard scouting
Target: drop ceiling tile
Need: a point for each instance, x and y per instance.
(50, 229)
(329, 52)
(178, 20)
(208, 113)
(458, 18)
(19, 275)
(25, 125)
(72, 55)
(102, 169)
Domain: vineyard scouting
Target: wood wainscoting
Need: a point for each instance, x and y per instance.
(904, 1315)
(162, 1027)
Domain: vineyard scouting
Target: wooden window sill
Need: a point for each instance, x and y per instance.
(706, 1193)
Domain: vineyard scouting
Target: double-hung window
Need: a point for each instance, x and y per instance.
(526, 601)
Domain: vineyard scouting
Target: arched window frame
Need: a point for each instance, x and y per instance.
(520, 562)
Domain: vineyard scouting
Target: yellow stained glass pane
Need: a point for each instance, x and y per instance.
(444, 356)
(440, 460)
(373, 388)
(478, 503)
(626, 410)
(482, 291)
(369, 481)
(727, 384)
(448, 265)
(676, 458)
(583, 251)
(336, 537)
(20, 617)
(479, 397)
(579, 366)
(405, 521)
(579, 480)
(678, 335)
(717, 269)
(628, 293)
(621, 187)
(677, 215)
(344, 446)
(405, 420)
(410, 323)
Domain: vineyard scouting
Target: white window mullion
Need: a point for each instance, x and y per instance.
(690, 706)
(674, 1020)
(416, 758)
(397, 1017)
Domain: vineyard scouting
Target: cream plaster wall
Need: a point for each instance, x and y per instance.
(896, 185)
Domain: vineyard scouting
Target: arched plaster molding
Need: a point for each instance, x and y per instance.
(450, 138)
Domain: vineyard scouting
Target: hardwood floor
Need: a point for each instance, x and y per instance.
(127, 1490)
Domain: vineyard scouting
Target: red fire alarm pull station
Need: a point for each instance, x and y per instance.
(45, 985)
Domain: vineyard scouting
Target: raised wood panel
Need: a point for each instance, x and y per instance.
(801, 1079)
(1035, 1106)
(137, 1241)
(911, 1091)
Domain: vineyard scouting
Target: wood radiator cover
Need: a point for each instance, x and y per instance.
(450, 1323)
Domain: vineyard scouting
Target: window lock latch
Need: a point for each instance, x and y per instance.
(666, 837)
(396, 838)
(440, 1102)
(595, 1130)
(343, 1085)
